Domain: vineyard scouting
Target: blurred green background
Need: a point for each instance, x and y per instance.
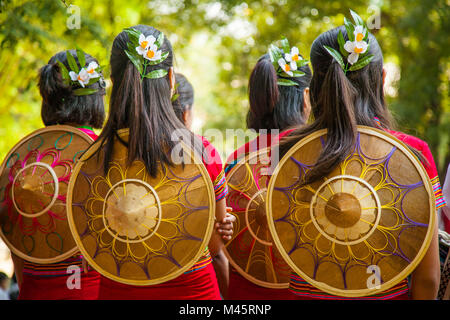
(217, 43)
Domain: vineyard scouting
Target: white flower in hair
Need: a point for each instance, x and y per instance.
(360, 33)
(292, 58)
(82, 77)
(91, 70)
(287, 67)
(153, 53)
(145, 43)
(355, 48)
(293, 55)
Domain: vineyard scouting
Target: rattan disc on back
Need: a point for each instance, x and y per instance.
(361, 229)
(136, 229)
(251, 251)
(33, 185)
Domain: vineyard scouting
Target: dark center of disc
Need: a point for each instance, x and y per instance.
(343, 210)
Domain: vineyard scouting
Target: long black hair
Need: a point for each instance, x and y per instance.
(273, 106)
(144, 107)
(341, 101)
(60, 105)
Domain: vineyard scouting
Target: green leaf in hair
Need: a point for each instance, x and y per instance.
(84, 91)
(298, 73)
(357, 18)
(81, 57)
(72, 62)
(135, 60)
(275, 53)
(285, 45)
(286, 82)
(63, 69)
(92, 81)
(155, 74)
(174, 97)
(133, 35)
(336, 55)
(350, 29)
(341, 42)
(302, 62)
(160, 40)
(361, 63)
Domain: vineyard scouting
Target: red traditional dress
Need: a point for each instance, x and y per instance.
(305, 291)
(53, 281)
(240, 288)
(199, 282)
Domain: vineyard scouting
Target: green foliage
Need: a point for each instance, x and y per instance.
(72, 63)
(84, 91)
(155, 74)
(216, 45)
(336, 55)
(341, 42)
(362, 62)
(64, 72)
(81, 57)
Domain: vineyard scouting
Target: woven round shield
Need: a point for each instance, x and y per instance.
(136, 229)
(251, 251)
(361, 229)
(33, 185)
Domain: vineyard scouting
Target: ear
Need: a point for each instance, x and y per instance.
(384, 75)
(306, 104)
(185, 116)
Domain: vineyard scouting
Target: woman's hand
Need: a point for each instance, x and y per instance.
(225, 227)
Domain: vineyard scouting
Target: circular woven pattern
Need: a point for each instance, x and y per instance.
(33, 186)
(251, 251)
(361, 229)
(137, 229)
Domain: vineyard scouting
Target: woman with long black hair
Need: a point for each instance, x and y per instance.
(65, 103)
(273, 106)
(141, 102)
(275, 109)
(341, 99)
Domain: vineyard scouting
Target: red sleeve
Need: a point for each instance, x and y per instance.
(284, 134)
(424, 149)
(213, 163)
